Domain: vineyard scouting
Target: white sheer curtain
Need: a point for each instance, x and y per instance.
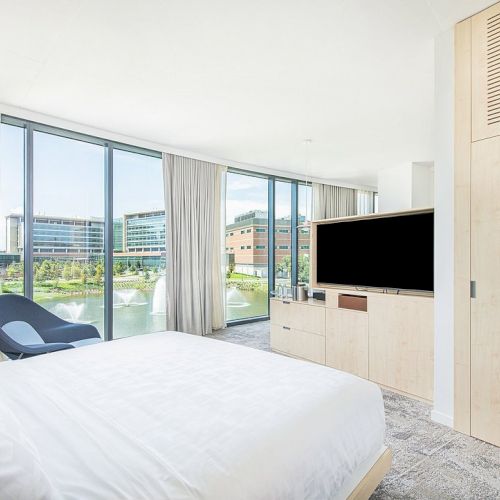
(333, 201)
(195, 290)
(366, 202)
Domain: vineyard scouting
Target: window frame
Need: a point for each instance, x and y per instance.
(271, 236)
(109, 146)
(30, 127)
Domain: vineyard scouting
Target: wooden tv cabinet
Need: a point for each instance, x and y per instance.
(384, 337)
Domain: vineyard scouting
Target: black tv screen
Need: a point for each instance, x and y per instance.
(382, 252)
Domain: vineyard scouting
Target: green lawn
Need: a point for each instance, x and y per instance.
(240, 276)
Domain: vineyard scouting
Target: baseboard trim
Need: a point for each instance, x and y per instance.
(442, 418)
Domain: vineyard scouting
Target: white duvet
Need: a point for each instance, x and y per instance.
(170, 415)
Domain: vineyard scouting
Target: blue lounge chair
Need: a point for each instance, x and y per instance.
(27, 329)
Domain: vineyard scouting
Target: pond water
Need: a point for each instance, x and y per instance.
(137, 312)
(132, 316)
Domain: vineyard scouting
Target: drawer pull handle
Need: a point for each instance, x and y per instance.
(286, 328)
(286, 302)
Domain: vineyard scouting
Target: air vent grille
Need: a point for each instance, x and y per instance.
(493, 68)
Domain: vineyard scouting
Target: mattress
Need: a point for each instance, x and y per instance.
(171, 415)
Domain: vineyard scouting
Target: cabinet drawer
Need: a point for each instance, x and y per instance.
(298, 316)
(280, 339)
(298, 343)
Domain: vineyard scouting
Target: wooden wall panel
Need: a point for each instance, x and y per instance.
(347, 341)
(463, 137)
(401, 340)
(485, 310)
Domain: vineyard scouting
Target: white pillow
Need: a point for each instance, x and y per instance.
(22, 333)
(21, 475)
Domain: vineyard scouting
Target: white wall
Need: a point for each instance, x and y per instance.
(406, 186)
(395, 188)
(423, 185)
(26, 114)
(444, 251)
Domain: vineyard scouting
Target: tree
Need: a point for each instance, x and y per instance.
(44, 272)
(284, 265)
(303, 274)
(54, 269)
(15, 270)
(146, 274)
(66, 273)
(76, 270)
(118, 268)
(99, 272)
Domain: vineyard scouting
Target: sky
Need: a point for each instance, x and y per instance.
(69, 178)
(245, 193)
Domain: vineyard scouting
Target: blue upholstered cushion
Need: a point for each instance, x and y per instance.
(22, 333)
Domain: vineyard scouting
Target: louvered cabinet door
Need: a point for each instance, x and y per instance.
(486, 71)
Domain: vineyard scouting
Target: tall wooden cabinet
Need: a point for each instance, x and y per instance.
(477, 226)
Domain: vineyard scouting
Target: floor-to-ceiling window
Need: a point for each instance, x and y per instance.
(267, 240)
(87, 216)
(304, 232)
(283, 234)
(247, 215)
(11, 209)
(96, 223)
(68, 228)
(139, 279)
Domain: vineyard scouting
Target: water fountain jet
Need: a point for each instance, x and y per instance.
(160, 296)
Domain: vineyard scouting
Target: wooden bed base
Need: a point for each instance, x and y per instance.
(373, 477)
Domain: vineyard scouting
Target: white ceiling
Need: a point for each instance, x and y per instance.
(236, 79)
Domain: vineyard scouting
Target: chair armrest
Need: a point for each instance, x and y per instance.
(69, 332)
(45, 348)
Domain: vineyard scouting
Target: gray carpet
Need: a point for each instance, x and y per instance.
(431, 461)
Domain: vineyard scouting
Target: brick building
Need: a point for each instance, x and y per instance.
(247, 242)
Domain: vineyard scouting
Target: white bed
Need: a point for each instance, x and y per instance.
(170, 415)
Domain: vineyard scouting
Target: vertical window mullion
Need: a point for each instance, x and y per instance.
(28, 212)
(108, 242)
(294, 223)
(270, 234)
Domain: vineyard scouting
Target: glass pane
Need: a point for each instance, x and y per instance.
(283, 234)
(139, 280)
(68, 228)
(304, 216)
(11, 209)
(246, 246)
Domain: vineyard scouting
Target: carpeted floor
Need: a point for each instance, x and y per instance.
(431, 461)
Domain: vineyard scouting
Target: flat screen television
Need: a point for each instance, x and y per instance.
(394, 251)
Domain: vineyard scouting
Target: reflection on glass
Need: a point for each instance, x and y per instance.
(11, 209)
(68, 228)
(139, 279)
(246, 246)
(283, 234)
